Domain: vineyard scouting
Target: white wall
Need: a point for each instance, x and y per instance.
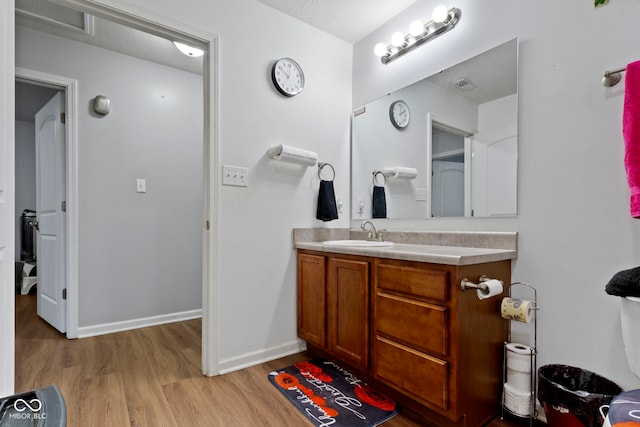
(25, 174)
(139, 254)
(574, 226)
(499, 114)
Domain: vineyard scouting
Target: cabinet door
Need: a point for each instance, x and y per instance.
(312, 299)
(348, 310)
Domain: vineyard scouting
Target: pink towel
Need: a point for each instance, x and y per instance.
(631, 132)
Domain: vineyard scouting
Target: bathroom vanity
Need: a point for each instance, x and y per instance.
(397, 315)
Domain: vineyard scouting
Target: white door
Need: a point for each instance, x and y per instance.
(447, 189)
(495, 160)
(50, 199)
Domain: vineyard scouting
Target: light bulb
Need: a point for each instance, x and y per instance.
(440, 14)
(397, 39)
(380, 49)
(416, 28)
(188, 50)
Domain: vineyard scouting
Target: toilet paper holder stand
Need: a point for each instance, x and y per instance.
(533, 413)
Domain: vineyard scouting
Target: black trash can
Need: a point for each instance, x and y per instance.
(44, 407)
(572, 397)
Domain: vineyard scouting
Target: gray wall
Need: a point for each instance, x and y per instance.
(139, 254)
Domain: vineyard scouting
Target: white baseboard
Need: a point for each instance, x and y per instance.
(541, 415)
(261, 356)
(109, 328)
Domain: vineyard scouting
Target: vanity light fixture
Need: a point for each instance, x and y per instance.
(188, 50)
(442, 20)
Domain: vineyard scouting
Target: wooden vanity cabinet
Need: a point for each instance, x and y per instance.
(312, 299)
(333, 305)
(409, 326)
(437, 344)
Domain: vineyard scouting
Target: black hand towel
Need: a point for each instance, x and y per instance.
(379, 203)
(625, 283)
(327, 209)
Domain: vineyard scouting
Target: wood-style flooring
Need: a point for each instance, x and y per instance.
(151, 377)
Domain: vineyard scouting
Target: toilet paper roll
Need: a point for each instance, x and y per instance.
(493, 288)
(520, 381)
(517, 309)
(517, 402)
(519, 357)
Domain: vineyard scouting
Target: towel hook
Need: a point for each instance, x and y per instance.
(375, 176)
(321, 165)
(612, 77)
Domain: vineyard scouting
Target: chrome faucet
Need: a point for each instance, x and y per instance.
(374, 234)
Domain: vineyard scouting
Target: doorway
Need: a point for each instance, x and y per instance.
(163, 26)
(40, 182)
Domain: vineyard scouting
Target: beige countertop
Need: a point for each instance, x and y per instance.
(433, 253)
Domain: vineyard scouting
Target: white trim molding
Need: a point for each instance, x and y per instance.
(261, 356)
(127, 325)
(7, 197)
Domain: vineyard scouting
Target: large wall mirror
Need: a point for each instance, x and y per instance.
(456, 156)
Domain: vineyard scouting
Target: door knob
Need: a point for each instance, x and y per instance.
(35, 224)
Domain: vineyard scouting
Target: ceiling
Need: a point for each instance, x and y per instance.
(493, 74)
(350, 20)
(60, 21)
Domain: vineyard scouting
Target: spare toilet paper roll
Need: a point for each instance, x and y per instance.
(519, 357)
(520, 381)
(517, 402)
(519, 361)
(493, 288)
(517, 309)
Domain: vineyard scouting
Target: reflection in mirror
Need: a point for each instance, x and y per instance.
(460, 143)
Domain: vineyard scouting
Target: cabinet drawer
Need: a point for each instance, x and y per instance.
(421, 376)
(413, 280)
(413, 323)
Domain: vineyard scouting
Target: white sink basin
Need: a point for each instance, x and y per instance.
(359, 243)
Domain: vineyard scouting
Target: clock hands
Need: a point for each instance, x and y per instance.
(286, 72)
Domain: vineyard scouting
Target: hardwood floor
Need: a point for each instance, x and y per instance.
(151, 377)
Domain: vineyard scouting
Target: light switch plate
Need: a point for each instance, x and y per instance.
(235, 175)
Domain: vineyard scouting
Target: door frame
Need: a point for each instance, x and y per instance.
(147, 21)
(7, 197)
(70, 88)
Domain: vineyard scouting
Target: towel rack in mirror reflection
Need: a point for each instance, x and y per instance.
(612, 77)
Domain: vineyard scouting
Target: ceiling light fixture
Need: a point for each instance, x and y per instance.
(442, 21)
(188, 50)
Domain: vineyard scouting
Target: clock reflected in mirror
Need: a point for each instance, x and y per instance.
(399, 114)
(287, 77)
